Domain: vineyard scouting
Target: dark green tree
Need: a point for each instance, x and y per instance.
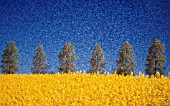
(9, 59)
(39, 62)
(155, 58)
(126, 61)
(67, 59)
(97, 60)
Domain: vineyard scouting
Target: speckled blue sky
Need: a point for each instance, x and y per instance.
(84, 23)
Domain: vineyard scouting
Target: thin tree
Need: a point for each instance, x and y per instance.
(126, 61)
(39, 62)
(97, 60)
(9, 59)
(155, 58)
(67, 59)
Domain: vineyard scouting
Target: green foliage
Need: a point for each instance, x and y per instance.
(9, 59)
(39, 61)
(97, 60)
(67, 59)
(126, 60)
(155, 58)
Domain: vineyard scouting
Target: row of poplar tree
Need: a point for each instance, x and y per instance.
(67, 59)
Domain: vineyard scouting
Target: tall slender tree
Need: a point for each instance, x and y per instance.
(97, 60)
(9, 59)
(39, 61)
(67, 59)
(155, 58)
(126, 60)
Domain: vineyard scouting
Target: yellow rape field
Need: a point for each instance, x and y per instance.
(83, 90)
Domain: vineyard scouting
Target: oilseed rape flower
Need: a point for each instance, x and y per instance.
(84, 90)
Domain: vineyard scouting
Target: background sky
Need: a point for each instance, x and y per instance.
(84, 23)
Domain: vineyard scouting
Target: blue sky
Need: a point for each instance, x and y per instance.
(84, 23)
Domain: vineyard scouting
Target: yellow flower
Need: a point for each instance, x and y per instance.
(83, 90)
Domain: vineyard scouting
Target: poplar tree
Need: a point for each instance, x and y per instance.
(9, 59)
(155, 59)
(39, 62)
(97, 60)
(125, 63)
(67, 59)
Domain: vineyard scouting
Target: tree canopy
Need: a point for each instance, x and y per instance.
(67, 59)
(39, 61)
(9, 58)
(126, 60)
(155, 58)
(97, 60)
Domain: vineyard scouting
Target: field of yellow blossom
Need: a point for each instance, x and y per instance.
(83, 90)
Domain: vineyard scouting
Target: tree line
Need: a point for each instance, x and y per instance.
(67, 58)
